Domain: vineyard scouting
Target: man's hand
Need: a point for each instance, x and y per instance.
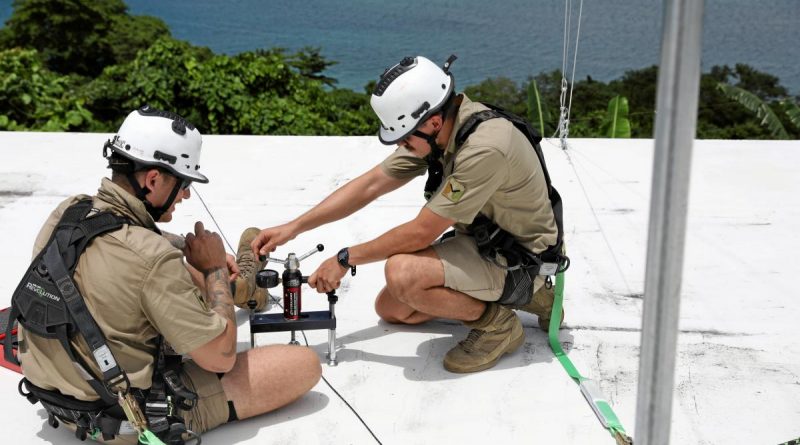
(233, 268)
(328, 276)
(270, 238)
(204, 250)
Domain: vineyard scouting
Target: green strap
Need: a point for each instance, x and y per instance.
(148, 438)
(610, 418)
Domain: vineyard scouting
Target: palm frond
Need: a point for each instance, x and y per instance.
(793, 111)
(757, 106)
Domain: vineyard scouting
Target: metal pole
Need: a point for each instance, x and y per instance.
(676, 120)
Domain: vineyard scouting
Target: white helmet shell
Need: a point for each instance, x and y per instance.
(163, 139)
(407, 94)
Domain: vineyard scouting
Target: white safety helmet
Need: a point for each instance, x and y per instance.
(151, 137)
(408, 93)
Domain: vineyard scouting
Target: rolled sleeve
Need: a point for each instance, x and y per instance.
(401, 164)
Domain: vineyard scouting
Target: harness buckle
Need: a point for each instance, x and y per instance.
(132, 411)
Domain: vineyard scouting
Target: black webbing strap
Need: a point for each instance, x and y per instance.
(71, 216)
(8, 342)
(534, 138)
(87, 326)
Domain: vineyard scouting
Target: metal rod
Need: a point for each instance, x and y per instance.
(332, 338)
(676, 120)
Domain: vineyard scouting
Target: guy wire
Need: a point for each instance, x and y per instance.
(597, 220)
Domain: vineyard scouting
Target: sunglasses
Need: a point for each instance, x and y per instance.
(185, 184)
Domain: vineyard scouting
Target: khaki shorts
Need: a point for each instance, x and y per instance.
(466, 271)
(212, 405)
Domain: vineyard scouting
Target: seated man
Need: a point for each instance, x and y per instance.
(137, 289)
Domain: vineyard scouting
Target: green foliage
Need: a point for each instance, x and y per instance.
(33, 97)
(311, 64)
(251, 93)
(69, 34)
(792, 112)
(500, 91)
(537, 112)
(80, 36)
(132, 34)
(757, 106)
(616, 123)
(639, 87)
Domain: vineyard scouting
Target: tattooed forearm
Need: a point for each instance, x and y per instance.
(177, 241)
(218, 293)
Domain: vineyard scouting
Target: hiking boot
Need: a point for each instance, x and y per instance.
(246, 294)
(498, 331)
(541, 305)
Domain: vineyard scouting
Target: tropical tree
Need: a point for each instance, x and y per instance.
(80, 36)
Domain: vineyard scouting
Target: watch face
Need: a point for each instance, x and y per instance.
(344, 257)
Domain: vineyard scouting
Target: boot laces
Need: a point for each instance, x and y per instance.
(468, 344)
(246, 264)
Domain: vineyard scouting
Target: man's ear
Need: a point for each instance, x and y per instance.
(150, 177)
(436, 121)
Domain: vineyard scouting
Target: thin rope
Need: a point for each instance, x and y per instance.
(565, 108)
(277, 301)
(574, 60)
(345, 401)
(597, 221)
(194, 190)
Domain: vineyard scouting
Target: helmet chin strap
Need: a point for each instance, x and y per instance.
(142, 192)
(436, 152)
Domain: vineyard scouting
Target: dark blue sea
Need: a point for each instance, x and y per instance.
(511, 38)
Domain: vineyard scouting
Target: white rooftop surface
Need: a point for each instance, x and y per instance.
(738, 365)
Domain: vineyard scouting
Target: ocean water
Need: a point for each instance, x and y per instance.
(511, 38)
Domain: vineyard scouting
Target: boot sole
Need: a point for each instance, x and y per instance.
(513, 346)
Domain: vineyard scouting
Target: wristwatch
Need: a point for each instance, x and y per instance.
(343, 257)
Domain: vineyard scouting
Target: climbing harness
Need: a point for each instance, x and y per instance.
(493, 242)
(48, 303)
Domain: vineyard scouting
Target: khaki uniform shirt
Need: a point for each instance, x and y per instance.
(136, 287)
(495, 172)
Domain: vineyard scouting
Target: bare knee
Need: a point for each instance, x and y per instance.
(390, 309)
(308, 361)
(268, 377)
(399, 275)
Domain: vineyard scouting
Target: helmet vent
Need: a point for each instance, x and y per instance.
(401, 117)
(159, 156)
(422, 108)
(184, 156)
(179, 127)
(389, 76)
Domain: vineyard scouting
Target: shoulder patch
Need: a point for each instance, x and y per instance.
(453, 190)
